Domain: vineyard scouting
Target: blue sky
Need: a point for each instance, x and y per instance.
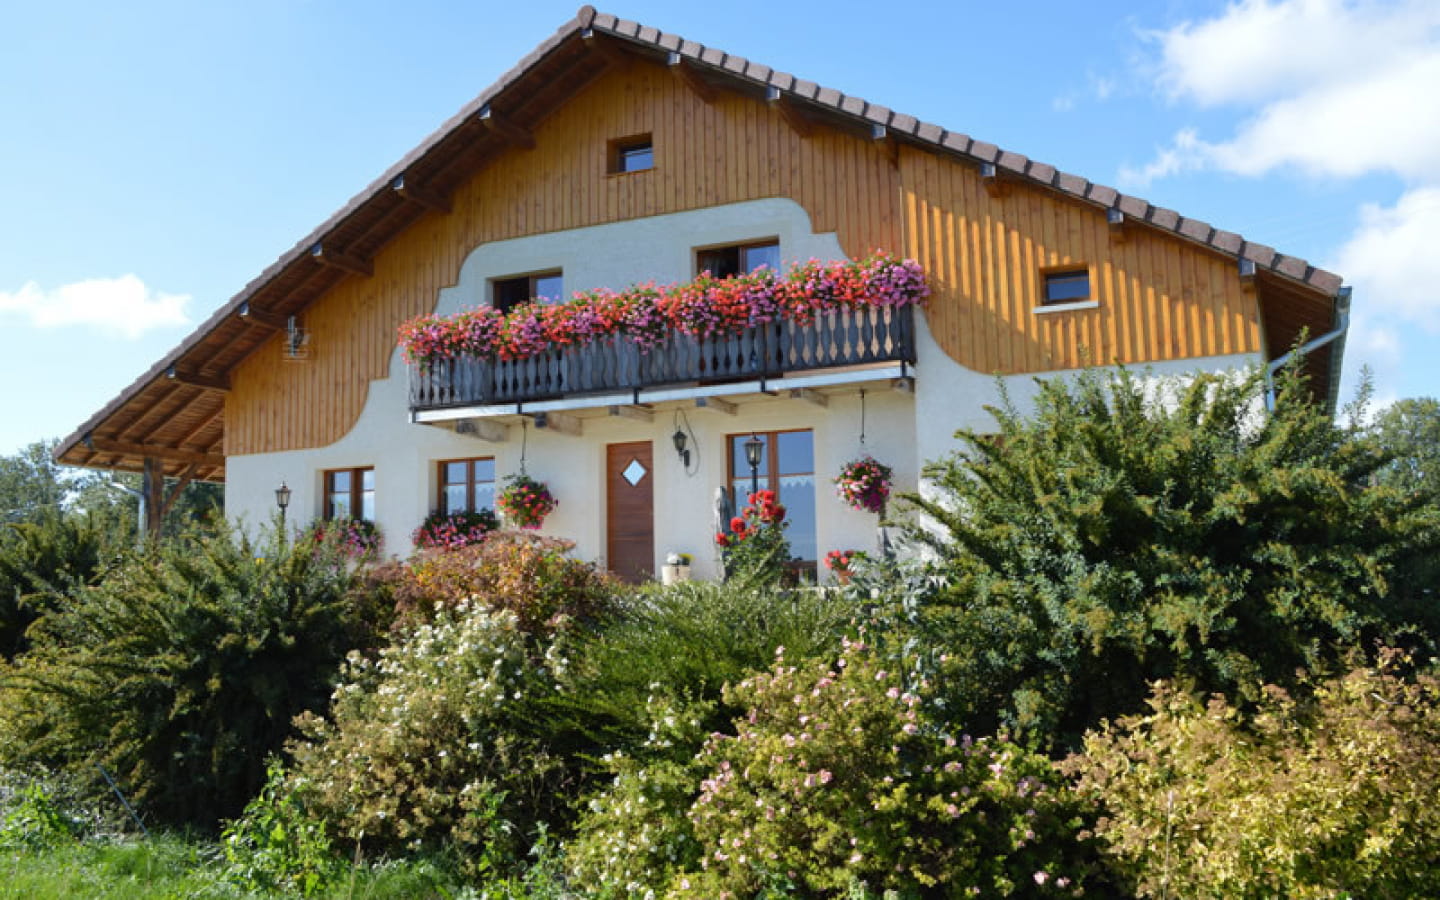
(155, 156)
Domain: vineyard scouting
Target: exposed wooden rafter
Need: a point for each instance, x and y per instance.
(417, 193)
(339, 259)
(182, 481)
(483, 429)
(634, 413)
(995, 186)
(205, 423)
(1247, 274)
(561, 423)
(251, 316)
(615, 58)
(809, 395)
(1116, 220)
(155, 451)
(794, 116)
(195, 379)
(505, 129)
(684, 70)
(716, 404)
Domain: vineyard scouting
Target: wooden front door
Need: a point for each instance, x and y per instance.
(630, 510)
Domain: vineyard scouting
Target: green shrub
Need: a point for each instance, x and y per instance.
(1330, 797)
(276, 847)
(529, 575)
(43, 560)
(838, 775)
(423, 747)
(1119, 535)
(180, 672)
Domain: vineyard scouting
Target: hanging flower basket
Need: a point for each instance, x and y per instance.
(864, 484)
(442, 531)
(526, 502)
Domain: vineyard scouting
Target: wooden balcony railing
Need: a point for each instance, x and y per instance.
(846, 338)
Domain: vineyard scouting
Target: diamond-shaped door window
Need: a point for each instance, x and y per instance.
(635, 472)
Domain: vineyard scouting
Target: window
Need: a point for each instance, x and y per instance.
(787, 465)
(467, 485)
(737, 259)
(350, 494)
(632, 154)
(542, 287)
(1067, 286)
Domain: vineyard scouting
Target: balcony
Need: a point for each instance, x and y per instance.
(848, 345)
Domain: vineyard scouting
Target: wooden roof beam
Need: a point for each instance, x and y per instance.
(809, 395)
(689, 76)
(156, 451)
(561, 423)
(195, 379)
(205, 423)
(339, 259)
(1116, 220)
(799, 122)
(1247, 275)
(995, 186)
(416, 193)
(717, 404)
(251, 316)
(610, 52)
(505, 129)
(483, 429)
(634, 413)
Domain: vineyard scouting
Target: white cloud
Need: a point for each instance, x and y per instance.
(123, 306)
(1392, 260)
(1333, 88)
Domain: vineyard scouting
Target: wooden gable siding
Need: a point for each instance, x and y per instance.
(1159, 298)
(706, 154)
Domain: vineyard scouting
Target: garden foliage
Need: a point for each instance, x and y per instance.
(838, 773)
(180, 671)
(43, 560)
(1123, 534)
(1328, 797)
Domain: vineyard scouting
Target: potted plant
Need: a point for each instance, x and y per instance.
(525, 501)
(676, 568)
(840, 562)
(451, 531)
(864, 484)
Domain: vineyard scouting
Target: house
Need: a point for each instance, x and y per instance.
(615, 154)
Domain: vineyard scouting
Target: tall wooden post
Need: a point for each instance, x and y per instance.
(152, 490)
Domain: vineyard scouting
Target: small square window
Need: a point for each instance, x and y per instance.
(738, 259)
(467, 485)
(1067, 286)
(542, 287)
(632, 154)
(350, 493)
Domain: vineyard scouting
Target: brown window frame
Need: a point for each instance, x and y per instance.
(771, 474)
(1056, 274)
(740, 249)
(618, 154)
(441, 482)
(531, 287)
(356, 490)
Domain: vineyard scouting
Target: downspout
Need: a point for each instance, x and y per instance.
(1342, 313)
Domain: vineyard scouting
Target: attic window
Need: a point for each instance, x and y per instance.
(541, 287)
(632, 154)
(1067, 286)
(738, 259)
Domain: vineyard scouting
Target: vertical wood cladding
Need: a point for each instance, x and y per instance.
(1158, 298)
(733, 150)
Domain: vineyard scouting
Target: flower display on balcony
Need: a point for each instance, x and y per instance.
(646, 315)
(451, 531)
(864, 483)
(525, 501)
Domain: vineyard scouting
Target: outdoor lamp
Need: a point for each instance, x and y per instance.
(753, 448)
(679, 440)
(282, 497)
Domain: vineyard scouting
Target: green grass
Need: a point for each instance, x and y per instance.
(173, 868)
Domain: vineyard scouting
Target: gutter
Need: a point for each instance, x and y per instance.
(1342, 313)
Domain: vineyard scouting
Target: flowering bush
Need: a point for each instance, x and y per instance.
(424, 746)
(451, 531)
(525, 501)
(864, 483)
(755, 546)
(532, 576)
(837, 774)
(646, 315)
(1332, 797)
(358, 539)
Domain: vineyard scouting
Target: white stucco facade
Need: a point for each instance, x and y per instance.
(903, 428)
